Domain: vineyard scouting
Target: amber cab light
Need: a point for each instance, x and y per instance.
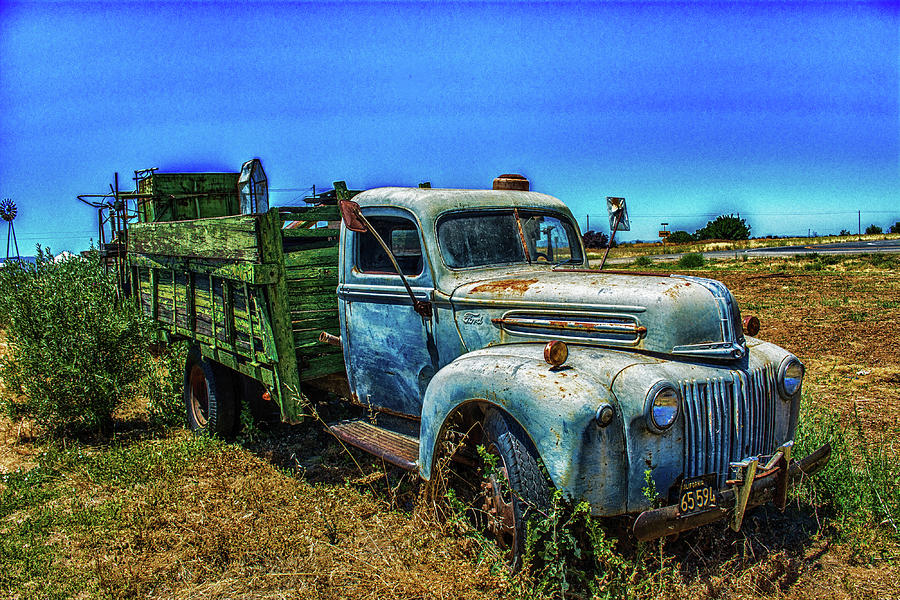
(556, 353)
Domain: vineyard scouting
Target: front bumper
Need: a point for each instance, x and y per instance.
(653, 524)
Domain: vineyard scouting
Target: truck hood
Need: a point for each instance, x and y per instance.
(666, 314)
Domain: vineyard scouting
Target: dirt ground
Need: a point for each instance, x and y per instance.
(289, 516)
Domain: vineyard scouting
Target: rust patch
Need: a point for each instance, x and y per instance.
(510, 286)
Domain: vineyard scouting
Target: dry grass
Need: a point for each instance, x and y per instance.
(649, 248)
(287, 515)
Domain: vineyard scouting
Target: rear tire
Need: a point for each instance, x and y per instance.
(516, 489)
(209, 395)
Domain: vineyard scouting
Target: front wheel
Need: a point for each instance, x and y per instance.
(513, 486)
(209, 395)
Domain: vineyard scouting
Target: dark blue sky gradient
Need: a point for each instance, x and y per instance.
(785, 112)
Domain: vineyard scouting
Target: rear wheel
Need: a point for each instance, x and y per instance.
(209, 395)
(513, 487)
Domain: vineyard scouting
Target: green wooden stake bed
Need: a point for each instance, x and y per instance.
(252, 292)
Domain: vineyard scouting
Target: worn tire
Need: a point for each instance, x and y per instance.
(209, 395)
(524, 495)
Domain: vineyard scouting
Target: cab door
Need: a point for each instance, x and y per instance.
(388, 348)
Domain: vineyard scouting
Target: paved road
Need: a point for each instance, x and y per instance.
(877, 246)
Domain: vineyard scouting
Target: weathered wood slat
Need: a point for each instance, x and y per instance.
(322, 365)
(301, 233)
(309, 213)
(231, 238)
(253, 273)
(312, 258)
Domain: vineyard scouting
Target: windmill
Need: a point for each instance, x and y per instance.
(8, 212)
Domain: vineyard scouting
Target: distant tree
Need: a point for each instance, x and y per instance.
(844, 232)
(895, 228)
(680, 237)
(595, 239)
(873, 228)
(725, 227)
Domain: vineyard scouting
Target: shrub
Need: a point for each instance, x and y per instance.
(844, 232)
(643, 261)
(75, 351)
(873, 229)
(165, 381)
(691, 260)
(595, 239)
(680, 237)
(725, 227)
(895, 228)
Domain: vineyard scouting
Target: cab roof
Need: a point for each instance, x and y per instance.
(429, 203)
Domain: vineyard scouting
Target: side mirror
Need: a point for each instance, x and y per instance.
(618, 214)
(351, 216)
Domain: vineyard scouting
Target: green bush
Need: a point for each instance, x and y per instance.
(165, 381)
(873, 229)
(643, 261)
(75, 351)
(725, 227)
(680, 237)
(691, 260)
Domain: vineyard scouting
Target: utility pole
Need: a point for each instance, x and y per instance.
(859, 223)
(588, 222)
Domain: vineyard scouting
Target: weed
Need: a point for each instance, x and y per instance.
(860, 487)
(691, 260)
(643, 261)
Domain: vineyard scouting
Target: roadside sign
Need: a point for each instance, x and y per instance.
(664, 234)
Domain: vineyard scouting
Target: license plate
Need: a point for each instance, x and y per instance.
(698, 494)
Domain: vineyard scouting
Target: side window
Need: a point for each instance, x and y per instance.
(401, 236)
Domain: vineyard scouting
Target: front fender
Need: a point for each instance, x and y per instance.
(555, 407)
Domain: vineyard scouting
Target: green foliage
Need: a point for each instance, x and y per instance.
(680, 237)
(725, 227)
(873, 229)
(75, 351)
(164, 385)
(643, 261)
(568, 554)
(691, 260)
(895, 228)
(860, 487)
(844, 232)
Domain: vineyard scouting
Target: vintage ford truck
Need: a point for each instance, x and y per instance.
(464, 318)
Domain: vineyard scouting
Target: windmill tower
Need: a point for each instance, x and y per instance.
(8, 212)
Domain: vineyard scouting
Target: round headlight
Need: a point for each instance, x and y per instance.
(790, 377)
(662, 406)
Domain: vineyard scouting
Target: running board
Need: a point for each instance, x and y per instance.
(395, 448)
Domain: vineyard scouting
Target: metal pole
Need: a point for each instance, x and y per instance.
(611, 236)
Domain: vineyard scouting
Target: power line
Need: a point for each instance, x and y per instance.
(746, 214)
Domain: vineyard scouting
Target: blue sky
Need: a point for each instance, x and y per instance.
(784, 112)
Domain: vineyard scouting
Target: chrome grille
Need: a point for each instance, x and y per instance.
(727, 419)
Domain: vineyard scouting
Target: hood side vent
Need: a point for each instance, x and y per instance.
(619, 329)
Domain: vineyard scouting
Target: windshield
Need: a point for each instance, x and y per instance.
(499, 237)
